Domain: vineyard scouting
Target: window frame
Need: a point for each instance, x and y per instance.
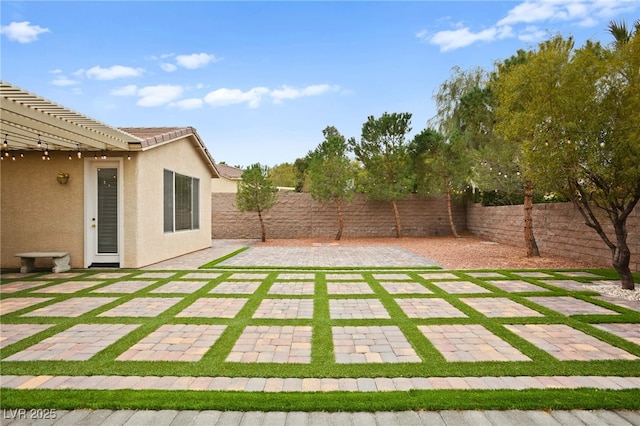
(181, 202)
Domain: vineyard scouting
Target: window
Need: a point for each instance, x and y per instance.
(181, 202)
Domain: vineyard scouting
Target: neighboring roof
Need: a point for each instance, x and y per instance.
(154, 136)
(26, 118)
(229, 172)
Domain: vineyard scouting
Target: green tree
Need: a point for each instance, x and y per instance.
(256, 193)
(331, 174)
(382, 150)
(283, 175)
(440, 166)
(575, 112)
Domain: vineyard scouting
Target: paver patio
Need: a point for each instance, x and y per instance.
(252, 319)
(470, 343)
(174, 342)
(77, 343)
(214, 307)
(372, 344)
(286, 344)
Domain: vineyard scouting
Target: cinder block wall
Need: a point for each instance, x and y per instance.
(297, 215)
(559, 230)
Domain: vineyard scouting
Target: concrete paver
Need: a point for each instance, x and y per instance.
(429, 308)
(405, 288)
(12, 333)
(280, 344)
(357, 309)
(214, 307)
(174, 342)
(126, 287)
(500, 307)
(460, 287)
(470, 343)
(516, 286)
(12, 305)
(374, 344)
(571, 306)
(285, 309)
(142, 307)
(71, 307)
(77, 343)
(566, 343)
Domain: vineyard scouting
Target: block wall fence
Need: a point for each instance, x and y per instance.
(559, 229)
(297, 215)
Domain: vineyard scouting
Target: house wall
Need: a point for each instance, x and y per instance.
(559, 230)
(38, 213)
(223, 184)
(297, 215)
(147, 243)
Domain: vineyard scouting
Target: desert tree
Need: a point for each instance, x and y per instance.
(256, 193)
(440, 166)
(382, 150)
(575, 114)
(331, 174)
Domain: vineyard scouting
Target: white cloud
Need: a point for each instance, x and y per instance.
(61, 80)
(196, 60)
(585, 13)
(22, 32)
(288, 92)
(193, 103)
(162, 94)
(254, 97)
(461, 37)
(129, 90)
(168, 67)
(113, 72)
(223, 97)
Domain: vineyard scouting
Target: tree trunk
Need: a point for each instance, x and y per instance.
(264, 232)
(529, 238)
(452, 225)
(340, 220)
(622, 255)
(396, 215)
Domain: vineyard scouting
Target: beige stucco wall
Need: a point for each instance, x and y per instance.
(146, 242)
(39, 214)
(224, 185)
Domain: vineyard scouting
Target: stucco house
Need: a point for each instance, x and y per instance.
(119, 197)
(228, 180)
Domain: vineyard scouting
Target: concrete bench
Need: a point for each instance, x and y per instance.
(61, 260)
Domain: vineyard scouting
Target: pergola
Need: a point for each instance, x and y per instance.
(30, 123)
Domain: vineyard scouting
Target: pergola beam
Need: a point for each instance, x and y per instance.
(29, 113)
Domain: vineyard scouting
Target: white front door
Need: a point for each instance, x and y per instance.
(103, 213)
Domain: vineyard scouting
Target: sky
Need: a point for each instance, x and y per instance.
(259, 81)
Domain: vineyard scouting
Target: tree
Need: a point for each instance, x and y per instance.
(383, 152)
(331, 173)
(256, 193)
(283, 175)
(575, 111)
(439, 165)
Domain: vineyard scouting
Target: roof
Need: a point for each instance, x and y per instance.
(229, 172)
(151, 137)
(26, 118)
(31, 122)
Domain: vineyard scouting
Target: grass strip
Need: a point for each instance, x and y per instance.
(213, 263)
(530, 399)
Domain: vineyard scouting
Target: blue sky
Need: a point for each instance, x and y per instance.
(261, 80)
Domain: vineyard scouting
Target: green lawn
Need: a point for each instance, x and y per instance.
(323, 363)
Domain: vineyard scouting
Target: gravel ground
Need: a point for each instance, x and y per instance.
(467, 252)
